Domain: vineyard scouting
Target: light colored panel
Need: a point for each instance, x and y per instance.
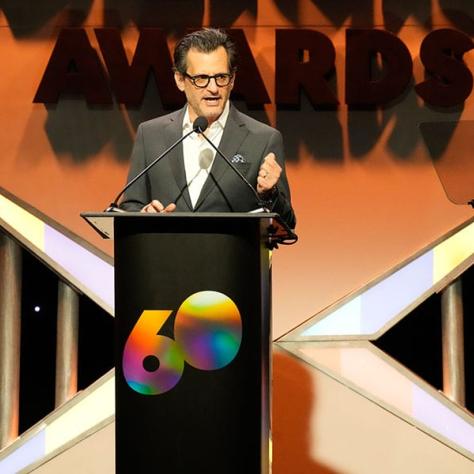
(90, 411)
(377, 377)
(435, 414)
(357, 436)
(367, 371)
(72, 260)
(320, 425)
(384, 381)
(376, 306)
(449, 254)
(345, 320)
(330, 357)
(93, 455)
(85, 267)
(23, 222)
(29, 452)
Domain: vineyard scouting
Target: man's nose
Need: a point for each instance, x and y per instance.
(212, 86)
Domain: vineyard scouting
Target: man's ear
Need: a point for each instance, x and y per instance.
(179, 79)
(232, 82)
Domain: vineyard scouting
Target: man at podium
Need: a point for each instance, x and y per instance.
(193, 176)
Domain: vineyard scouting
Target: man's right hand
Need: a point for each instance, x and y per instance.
(156, 206)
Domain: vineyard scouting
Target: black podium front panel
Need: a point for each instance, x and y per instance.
(192, 357)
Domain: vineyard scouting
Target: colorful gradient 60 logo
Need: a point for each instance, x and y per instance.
(207, 335)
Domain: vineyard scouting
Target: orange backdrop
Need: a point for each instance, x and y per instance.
(364, 188)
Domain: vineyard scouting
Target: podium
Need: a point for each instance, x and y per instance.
(193, 316)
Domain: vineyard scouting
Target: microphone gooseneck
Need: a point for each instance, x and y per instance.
(199, 126)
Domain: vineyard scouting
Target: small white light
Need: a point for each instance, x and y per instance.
(37, 309)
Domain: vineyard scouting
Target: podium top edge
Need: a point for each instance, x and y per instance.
(174, 215)
(103, 222)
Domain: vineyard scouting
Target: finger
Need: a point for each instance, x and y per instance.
(262, 185)
(273, 166)
(262, 172)
(170, 207)
(153, 206)
(148, 208)
(270, 159)
(157, 205)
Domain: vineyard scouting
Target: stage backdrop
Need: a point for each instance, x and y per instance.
(364, 187)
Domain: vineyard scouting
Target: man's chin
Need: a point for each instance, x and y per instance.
(212, 115)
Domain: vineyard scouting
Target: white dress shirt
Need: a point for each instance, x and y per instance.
(198, 154)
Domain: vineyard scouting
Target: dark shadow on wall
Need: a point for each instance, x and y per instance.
(366, 125)
(460, 13)
(365, 128)
(226, 12)
(174, 16)
(27, 18)
(407, 115)
(437, 136)
(293, 402)
(151, 106)
(406, 136)
(454, 166)
(338, 12)
(404, 115)
(395, 13)
(258, 114)
(319, 131)
(77, 132)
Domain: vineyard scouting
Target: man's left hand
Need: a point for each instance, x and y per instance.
(268, 174)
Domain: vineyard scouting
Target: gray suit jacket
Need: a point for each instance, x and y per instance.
(223, 190)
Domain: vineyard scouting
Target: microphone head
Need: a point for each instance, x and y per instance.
(200, 124)
(205, 158)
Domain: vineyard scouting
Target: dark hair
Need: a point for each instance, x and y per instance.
(206, 40)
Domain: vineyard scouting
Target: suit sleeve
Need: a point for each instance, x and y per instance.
(138, 195)
(281, 199)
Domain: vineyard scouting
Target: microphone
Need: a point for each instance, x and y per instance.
(199, 126)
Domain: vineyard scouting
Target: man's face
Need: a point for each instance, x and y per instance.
(209, 101)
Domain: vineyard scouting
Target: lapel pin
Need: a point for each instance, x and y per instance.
(238, 159)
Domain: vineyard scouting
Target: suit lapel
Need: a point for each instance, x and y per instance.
(176, 159)
(234, 134)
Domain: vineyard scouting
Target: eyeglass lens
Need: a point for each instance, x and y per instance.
(202, 80)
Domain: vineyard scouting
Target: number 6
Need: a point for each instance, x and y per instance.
(145, 345)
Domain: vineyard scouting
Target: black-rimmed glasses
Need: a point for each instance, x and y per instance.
(202, 80)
